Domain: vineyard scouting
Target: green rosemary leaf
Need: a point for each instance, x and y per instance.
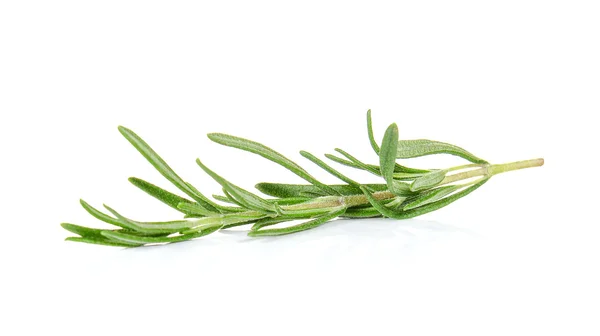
(278, 201)
(160, 194)
(93, 233)
(311, 195)
(242, 196)
(354, 162)
(395, 203)
(305, 213)
(284, 190)
(387, 158)
(232, 199)
(300, 227)
(400, 214)
(443, 202)
(83, 231)
(195, 209)
(100, 215)
(163, 167)
(402, 189)
(87, 232)
(328, 168)
(385, 211)
(218, 207)
(223, 199)
(269, 154)
(407, 176)
(132, 239)
(371, 135)
(239, 223)
(431, 196)
(269, 221)
(343, 161)
(102, 241)
(403, 169)
(369, 212)
(415, 148)
(289, 200)
(153, 227)
(428, 180)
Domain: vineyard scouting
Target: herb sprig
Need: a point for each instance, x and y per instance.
(406, 193)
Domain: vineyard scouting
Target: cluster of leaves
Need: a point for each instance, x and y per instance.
(406, 193)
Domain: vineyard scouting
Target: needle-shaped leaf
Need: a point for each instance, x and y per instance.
(196, 209)
(431, 196)
(407, 176)
(160, 194)
(343, 161)
(239, 223)
(87, 232)
(328, 168)
(92, 233)
(242, 196)
(223, 199)
(100, 215)
(83, 231)
(414, 148)
(289, 200)
(218, 207)
(354, 162)
(104, 241)
(311, 195)
(428, 180)
(387, 158)
(395, 203)
(300, 227)
(132, 239)
(231, 198)
(284, 190)
(379, 205)
(279, 201)
(374, 144)
(269, 154)
(404, 169)
(153, 227)
(401, 214)
(269, 221)
(369, 212)
(163, 167)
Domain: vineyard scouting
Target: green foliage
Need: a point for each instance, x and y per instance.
(428, 180)
(414, 148)
(407, 192)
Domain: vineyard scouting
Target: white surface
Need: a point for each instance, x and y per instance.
(507, 80)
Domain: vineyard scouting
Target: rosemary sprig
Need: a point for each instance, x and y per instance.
(405, 193)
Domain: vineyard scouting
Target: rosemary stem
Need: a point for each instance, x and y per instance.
(490, 170)
(501, 168)
(472, 165)
(335, 201)
(355, 200)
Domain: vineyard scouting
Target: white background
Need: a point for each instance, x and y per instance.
(508, 80)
